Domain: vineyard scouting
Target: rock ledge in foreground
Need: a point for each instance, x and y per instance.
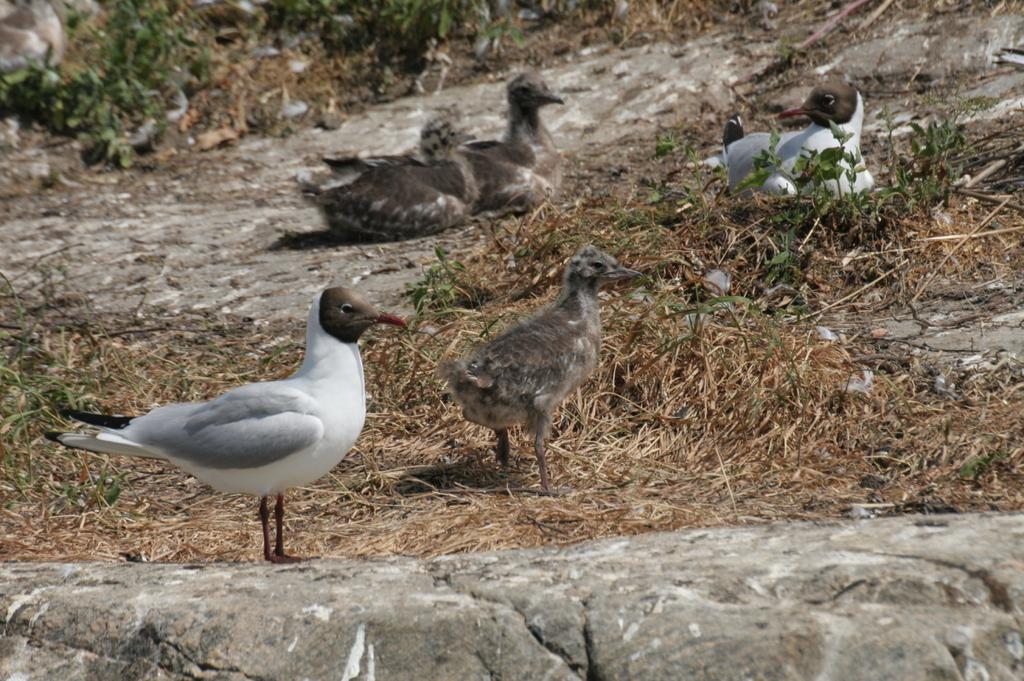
(938, 597)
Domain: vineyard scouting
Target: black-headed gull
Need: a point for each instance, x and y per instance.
(261, 438)
(524, 168)
(524, 374)
(837, 103)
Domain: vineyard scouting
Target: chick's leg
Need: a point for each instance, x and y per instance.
(502, 450)
(541, 428)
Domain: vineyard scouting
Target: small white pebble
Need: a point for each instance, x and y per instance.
(862, 384)
(718, 282)
(294, 109)
(826, 333)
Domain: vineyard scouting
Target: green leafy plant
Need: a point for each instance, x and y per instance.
(765, 163)
(444, 285)
(927, 175)
(979, 465)
(502, 28)
(823, 180)
(784, 266)
(394, 27)
(135, 59)
(416, 22)
(102, 489)
(338, 23)
(665, 145)
(692, 196)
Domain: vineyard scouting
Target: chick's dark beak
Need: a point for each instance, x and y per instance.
(624, 273)
(548, 98)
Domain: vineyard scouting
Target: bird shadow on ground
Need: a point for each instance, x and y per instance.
(473, 474)
(311, 241)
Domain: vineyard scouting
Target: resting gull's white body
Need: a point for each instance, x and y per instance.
(739, 155)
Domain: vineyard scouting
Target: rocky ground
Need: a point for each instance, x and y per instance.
(914, 598)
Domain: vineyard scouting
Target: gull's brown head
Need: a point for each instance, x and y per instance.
(346, 314)
(832, 102)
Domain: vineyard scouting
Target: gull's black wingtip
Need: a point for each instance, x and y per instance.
(53, 436)
(101, 420)
(733, 130)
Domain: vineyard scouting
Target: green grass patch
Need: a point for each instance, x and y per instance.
(130, 65)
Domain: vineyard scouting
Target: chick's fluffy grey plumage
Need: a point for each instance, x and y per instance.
(524, 374)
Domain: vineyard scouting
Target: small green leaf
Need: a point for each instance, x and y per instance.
(16, 77)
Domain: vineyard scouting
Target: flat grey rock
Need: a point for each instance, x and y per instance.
(908, 598)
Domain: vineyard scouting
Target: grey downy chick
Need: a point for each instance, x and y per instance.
(521, 376)
(520, 171)
(394, 201)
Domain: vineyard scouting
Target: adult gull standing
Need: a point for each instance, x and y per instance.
(261, 438)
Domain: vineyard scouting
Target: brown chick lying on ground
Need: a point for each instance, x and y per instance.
(523, 169)
(405, 199)
(438, 139)
(524, 374)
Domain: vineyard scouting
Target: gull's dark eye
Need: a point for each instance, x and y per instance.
(828, 100)
(347, 309)
(597, 265)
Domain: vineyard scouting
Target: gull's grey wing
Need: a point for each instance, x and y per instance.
(356, 163)
(248, 427)
(740, 154)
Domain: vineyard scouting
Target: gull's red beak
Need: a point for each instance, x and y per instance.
(793, 113)
(390, 319)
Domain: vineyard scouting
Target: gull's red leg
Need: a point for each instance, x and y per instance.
(279, 554)
(265, 521)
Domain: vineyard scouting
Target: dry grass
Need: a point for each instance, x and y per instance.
(742, 417)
